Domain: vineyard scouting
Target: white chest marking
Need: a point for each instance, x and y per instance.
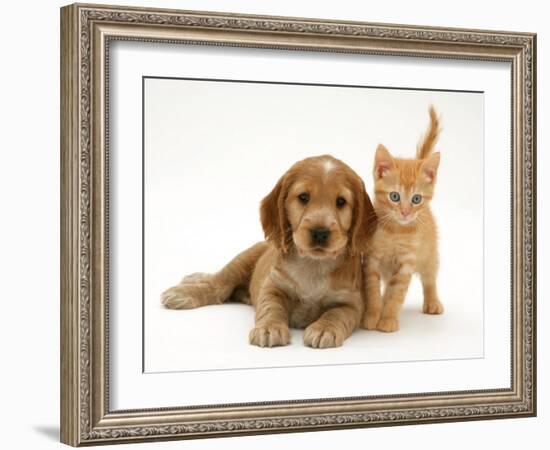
(311, 281)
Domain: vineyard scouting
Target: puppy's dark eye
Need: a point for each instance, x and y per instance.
(340, 202)
(303, 197)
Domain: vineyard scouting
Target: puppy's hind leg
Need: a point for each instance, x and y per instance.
(200, 289)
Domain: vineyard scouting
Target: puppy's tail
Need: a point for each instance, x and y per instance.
(230, 283)
(427, 142)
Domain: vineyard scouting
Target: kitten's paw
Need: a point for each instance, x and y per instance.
(435, 307)
(320, 335)
(370, 321)
(388, 324)
(272, 335)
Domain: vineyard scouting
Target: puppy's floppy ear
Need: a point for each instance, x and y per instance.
(364, 220)
(273, 216)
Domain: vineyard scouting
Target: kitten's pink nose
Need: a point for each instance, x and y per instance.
(406, 212)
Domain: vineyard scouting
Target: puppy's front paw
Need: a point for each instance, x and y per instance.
(433, 307)
(321, 335)
(271, 335)
(370, 320)
(388, 324)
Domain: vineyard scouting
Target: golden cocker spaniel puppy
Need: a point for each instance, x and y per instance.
(318, 221)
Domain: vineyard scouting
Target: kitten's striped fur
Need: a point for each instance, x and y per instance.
(405, 241)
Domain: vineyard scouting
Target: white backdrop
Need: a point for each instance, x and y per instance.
(213, 149)
(29, 230)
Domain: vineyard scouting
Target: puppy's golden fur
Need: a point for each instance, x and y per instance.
(317, 220)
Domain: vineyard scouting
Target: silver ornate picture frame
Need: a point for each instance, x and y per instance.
(87, 31)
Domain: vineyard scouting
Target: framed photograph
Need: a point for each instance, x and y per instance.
(276, 224)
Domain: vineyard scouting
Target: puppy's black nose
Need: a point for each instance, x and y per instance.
(320, 236)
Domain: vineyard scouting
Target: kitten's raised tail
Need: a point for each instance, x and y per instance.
(427, 142)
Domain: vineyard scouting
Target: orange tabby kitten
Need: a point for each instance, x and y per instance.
(405, 241)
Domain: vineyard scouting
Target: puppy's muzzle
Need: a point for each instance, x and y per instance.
(319, 236)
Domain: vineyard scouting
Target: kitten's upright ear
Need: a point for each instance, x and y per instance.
(383, 162)
(430, 166)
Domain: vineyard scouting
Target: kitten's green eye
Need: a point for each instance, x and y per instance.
(416, 199)
(394, 196)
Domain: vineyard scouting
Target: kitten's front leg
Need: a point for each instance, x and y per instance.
(373, 300)
(272, 317)
(394, 296)
(432, 305)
